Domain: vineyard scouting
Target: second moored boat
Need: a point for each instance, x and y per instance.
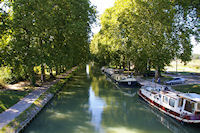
(117, 76)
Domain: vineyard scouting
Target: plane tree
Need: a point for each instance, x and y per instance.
(54, 36)
(149, 33)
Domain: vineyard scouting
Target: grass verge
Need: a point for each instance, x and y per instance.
(188, 88)
(10, 97)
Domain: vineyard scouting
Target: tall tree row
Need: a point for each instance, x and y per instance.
(51, 34)
(148, 33)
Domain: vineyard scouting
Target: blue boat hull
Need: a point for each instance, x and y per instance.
(128, 84)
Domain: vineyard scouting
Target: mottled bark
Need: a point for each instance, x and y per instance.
(43, 78)
(32, 77)
(51, 73)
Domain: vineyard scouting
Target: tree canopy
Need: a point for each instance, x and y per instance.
(48, 33)
(150, 34)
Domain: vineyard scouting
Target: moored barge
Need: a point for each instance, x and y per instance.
(117, 76)
(126, 81)
(184, 107)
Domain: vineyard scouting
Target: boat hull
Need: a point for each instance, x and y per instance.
(129, 84)
(175, 115)
(123, 83)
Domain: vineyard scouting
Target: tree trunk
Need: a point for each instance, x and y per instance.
(51, 74)
(124, 66)
(149, 66)
(32, 76)
(57, 70)
(60, 71)
(157, 74)
(62, 68)
(42, 73)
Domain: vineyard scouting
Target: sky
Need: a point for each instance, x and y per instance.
(102, 5)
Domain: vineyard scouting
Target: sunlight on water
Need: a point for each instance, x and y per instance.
(87, 70)
(96, 106)
(57, 115)
(122, 130)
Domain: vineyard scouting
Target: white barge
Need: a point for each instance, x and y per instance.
(117, 76)
(184, 107)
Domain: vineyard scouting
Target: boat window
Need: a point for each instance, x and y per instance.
(165, 99)
(180, 102)
(171, 102)
(198, 106)
(177, 79)
(189, 106)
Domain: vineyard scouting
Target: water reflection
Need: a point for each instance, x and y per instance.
(87, 70)
(96, 107)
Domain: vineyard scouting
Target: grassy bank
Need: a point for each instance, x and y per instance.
(188, 88)
(10, 97)
(192, 66)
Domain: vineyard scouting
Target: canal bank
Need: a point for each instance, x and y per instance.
(89, 103)
(18, 116)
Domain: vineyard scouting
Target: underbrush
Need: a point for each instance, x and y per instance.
(5, 75)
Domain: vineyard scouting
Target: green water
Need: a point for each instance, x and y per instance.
(92, 104)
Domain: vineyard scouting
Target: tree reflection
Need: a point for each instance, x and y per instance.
(96, 107)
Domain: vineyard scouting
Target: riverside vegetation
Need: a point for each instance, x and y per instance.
(147, 34)
(53, 37)
(40, 39)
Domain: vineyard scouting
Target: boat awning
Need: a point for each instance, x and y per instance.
(191, 96)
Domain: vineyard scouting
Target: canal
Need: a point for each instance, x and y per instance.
(90, 103)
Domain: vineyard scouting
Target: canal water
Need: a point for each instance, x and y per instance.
(90, 103)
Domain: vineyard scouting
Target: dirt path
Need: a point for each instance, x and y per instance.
(146, 82)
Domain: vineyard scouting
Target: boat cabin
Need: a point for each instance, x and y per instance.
(191, 102)
(184, 103)
(181, 106)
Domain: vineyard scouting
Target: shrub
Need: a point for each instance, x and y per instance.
(5, 75)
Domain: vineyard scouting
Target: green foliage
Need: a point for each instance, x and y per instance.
(55, 35)
(5, 75)
(147, 33)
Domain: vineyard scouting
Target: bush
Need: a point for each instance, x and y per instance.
(5, 75)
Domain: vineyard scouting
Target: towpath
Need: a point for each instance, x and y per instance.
(146, 82)
(14, 111)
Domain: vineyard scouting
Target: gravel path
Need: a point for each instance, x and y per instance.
(146, 82)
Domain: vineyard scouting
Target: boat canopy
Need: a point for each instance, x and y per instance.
(191, 96)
